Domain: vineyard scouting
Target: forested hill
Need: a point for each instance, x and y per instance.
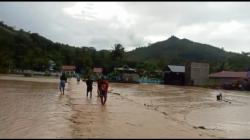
(20, 49)
(24, 50)
(180, 51)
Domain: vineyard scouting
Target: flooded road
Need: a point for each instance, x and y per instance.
(34, 108)
(195, 107)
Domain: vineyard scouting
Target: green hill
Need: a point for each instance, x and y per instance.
(181, 51)
(21, 50)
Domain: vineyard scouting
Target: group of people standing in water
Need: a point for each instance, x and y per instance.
(102, 86)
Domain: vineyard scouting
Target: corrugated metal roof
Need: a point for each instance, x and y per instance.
(228, 74)
(129, 69)
(174, 68)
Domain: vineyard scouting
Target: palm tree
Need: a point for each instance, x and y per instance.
(118, 52)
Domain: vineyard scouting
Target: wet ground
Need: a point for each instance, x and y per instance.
(33, 108)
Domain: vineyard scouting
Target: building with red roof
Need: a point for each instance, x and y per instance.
(98, 70)
(229, 74)
(224, 77)
(69, 69)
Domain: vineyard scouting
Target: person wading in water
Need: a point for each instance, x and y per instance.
(104, 90)
(63, 80)
(78, 78)
(99, 87)
(89, 84)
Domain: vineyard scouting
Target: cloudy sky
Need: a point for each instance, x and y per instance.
(133, 24)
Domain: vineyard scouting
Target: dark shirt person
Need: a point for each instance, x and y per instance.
(78, 78)
(63, 80)
(89, 84)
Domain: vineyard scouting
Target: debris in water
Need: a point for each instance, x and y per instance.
(200, 127)
(164, 113)
(116, 93)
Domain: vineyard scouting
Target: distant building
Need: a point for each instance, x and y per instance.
(28, 73)
(52, 64)
(174, 75)
(69, 69)
(98, 70)
(197, 73)
(228, 77)
(126, 74)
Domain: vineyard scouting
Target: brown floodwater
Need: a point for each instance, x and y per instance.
(196, 107)
(33, 108)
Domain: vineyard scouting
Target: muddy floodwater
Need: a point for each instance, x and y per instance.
(32, 107)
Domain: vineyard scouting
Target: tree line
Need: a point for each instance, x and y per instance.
(20, 50)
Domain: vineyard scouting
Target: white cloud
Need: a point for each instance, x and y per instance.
(101, 11)
(133, 24)
(232, 35)
(154, 38)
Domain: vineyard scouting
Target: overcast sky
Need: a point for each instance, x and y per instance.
(133, 24)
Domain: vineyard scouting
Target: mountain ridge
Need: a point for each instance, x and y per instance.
(24, 50)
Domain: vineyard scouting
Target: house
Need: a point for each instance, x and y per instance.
(69, 69)
(126, 74)
(197, 73)
(174, 75)
(28, 73)
(228, 77)
(98, 70)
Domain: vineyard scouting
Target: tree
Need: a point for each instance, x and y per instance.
(161, 63)
(118, 52)
(20, 49)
